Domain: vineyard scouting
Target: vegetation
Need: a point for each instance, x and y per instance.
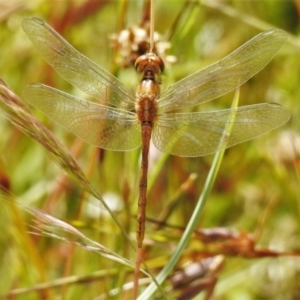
(59, 242)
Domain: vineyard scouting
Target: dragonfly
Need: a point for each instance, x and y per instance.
(122, 120)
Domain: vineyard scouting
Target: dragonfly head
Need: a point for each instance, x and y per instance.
(149, 62)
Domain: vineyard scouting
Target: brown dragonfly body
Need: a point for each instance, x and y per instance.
(121, 121)
(150, 65)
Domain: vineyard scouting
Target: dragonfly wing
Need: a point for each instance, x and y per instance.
(99, 125)
(76, 68)
(203, 133)
(226, 74)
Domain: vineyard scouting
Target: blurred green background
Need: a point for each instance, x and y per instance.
(256, 193)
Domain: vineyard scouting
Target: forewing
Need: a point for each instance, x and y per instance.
(226, 74)
(99, 125)
(76, 68)
(203, 133)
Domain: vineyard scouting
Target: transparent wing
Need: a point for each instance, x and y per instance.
(76, 68)
(202, 133)
(99, 125)
(226, 74)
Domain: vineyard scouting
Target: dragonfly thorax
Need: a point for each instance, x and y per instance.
(148, 87)
(146, 109)
(147, 93)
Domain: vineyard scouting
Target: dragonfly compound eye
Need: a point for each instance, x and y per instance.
(149, 62)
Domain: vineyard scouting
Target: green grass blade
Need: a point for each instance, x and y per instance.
(195, 218)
